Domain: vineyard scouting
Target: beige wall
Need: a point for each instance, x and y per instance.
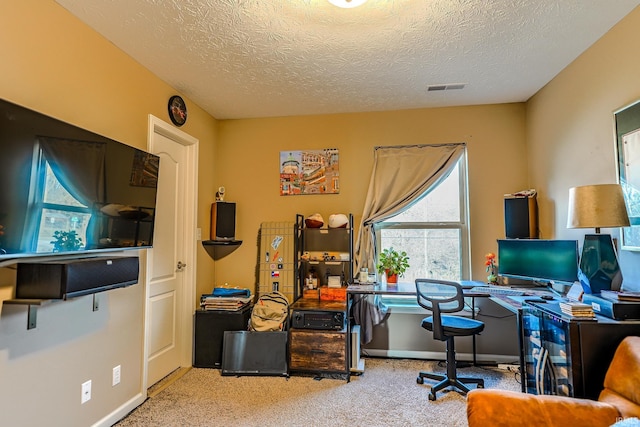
(570, 132)
(248, 158)
(53, 63)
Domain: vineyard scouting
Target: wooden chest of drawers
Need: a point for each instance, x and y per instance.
(318, 351)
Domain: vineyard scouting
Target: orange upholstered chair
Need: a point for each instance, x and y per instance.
(619, 399)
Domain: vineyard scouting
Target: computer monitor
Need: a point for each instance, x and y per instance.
(539, 261)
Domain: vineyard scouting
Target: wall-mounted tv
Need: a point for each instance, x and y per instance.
(70, 191)
(537, 260)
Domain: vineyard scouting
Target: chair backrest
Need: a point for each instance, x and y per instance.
(439, 296)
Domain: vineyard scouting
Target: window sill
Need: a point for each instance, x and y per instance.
(397, 307)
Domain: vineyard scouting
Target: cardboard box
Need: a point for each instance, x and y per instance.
(333, 294)
(311, 294)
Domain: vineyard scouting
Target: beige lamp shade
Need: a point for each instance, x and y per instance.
(347, 4)
(597, 206)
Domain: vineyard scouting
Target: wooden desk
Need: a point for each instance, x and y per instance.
(409, 289)
(403, 288)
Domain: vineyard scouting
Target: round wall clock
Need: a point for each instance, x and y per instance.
(177, 110)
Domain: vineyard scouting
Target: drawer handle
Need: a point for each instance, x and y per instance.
(317, 351)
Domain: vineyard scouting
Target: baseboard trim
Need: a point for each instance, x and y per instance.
(167, 381)
(122, 411)
(438, 355)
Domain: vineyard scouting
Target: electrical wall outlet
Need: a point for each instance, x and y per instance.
(86, 392)
(115, 378)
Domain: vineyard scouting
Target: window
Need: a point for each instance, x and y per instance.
(58, 211)
(433, 231)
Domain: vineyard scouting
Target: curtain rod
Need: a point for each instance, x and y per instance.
(421, 145)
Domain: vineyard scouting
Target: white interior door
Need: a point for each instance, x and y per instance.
(171, 263)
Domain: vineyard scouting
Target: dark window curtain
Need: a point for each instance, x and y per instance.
(79, 166)
(401, 176)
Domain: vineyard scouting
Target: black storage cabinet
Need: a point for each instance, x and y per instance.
(209, 329)
(567, 357)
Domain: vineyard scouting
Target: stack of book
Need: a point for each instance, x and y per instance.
(621, 295)
(226, 299)
(577, 310)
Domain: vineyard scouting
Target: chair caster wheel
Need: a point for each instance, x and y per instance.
(432, 397)
(420, 380)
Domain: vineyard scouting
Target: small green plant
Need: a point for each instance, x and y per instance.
(393, 262)
(66, 241)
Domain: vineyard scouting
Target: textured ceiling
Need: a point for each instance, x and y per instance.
(264, 58)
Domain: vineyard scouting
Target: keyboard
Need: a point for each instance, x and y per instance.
(495, 290)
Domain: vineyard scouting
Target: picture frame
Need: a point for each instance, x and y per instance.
(309, 172)
(627, 144)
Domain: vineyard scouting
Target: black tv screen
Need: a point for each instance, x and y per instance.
(71, 191)
(538, 260)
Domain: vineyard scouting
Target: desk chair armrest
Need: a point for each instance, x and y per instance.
(501, 408)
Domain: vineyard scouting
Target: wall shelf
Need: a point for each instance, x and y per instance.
(33, 304)
(220, 248)
(32, 308)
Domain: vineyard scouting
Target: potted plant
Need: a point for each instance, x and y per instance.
(393, 264)
(66, 241)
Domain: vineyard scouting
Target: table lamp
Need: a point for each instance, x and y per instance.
(598, 206)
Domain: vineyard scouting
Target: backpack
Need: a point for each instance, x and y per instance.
(269, 312)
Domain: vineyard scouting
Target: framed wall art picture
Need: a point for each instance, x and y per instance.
(627, 128)
(309, 172)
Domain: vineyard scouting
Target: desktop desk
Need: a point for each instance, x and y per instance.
(409, 289)
(578, 351)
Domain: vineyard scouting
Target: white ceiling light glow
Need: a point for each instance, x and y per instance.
(347, 4)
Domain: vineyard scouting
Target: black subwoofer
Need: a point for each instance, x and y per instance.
(209, 329)
(76, 277)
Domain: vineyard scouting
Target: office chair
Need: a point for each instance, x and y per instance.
(439, 296)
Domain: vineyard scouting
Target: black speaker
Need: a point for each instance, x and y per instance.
(223, 221)
(521, 217)
(209, 329)
(75, 277)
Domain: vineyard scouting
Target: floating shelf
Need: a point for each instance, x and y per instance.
(33, 304)
(220, 248)
(32, 309)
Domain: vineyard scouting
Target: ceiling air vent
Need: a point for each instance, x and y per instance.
(450, 86)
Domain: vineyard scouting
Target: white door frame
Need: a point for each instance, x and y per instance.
(186, 310)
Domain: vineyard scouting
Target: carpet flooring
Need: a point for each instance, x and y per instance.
(386, 394)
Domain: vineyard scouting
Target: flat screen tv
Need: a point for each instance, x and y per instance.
(70, 191)
(539, 261)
